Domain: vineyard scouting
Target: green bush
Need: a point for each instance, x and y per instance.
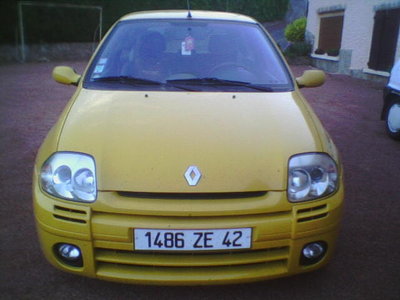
(294, 32)
(298, 49)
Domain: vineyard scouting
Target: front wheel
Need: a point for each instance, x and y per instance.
(393, 120)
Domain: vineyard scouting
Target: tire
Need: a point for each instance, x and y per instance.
(393, 119)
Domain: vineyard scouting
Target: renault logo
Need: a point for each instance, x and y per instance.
(192, 175)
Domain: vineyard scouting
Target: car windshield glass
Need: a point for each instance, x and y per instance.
(200, 55)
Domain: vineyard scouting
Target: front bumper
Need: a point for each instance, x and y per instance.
(105, 237)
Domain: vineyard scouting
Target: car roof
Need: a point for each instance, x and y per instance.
(183, 14)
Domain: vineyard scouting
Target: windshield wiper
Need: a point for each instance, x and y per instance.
(128, 80)
(213, 81)
(138, 81)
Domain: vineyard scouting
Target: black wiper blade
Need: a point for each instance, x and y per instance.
(206, 81)
(137, 81)
(128, 80)
(220, 82)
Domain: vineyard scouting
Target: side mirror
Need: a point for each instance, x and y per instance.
(66, 75)
(311, 78)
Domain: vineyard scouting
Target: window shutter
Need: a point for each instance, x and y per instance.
(330, 33)
(384, 39)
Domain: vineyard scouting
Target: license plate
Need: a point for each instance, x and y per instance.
(192, 240)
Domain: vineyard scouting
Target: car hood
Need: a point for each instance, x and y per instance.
(145, 142)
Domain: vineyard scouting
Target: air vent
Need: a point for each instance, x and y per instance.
(312, 213)
(69, 214)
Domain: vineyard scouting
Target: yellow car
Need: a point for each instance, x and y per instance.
(187, 156)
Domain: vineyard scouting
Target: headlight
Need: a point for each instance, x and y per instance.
(311, 176)
(70, 175)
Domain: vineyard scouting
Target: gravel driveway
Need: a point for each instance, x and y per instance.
(367, 260)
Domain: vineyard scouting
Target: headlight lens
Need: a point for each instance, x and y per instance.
(70, 175)
(311, 176)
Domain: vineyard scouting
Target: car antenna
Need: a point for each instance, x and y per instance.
(189, 15)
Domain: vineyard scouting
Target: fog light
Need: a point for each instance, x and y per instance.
(313, 253)
(69, 254)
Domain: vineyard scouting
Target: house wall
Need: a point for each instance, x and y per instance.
(357, 33)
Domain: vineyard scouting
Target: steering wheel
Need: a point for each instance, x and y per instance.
(233, 71)
(227, 66)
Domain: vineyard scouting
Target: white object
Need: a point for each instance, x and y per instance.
(192, 240)
(394, 80)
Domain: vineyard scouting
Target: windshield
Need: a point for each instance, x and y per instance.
(194, 55)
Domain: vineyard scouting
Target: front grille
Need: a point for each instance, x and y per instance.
(115, 257)
(196, 266)
(179, 276)
(192, 259)
(113, 237)
(194, 196)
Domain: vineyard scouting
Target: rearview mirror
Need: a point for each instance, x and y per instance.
(66, 75)
(311, 78)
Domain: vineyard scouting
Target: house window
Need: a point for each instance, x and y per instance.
(384, 39)
(330, 34)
